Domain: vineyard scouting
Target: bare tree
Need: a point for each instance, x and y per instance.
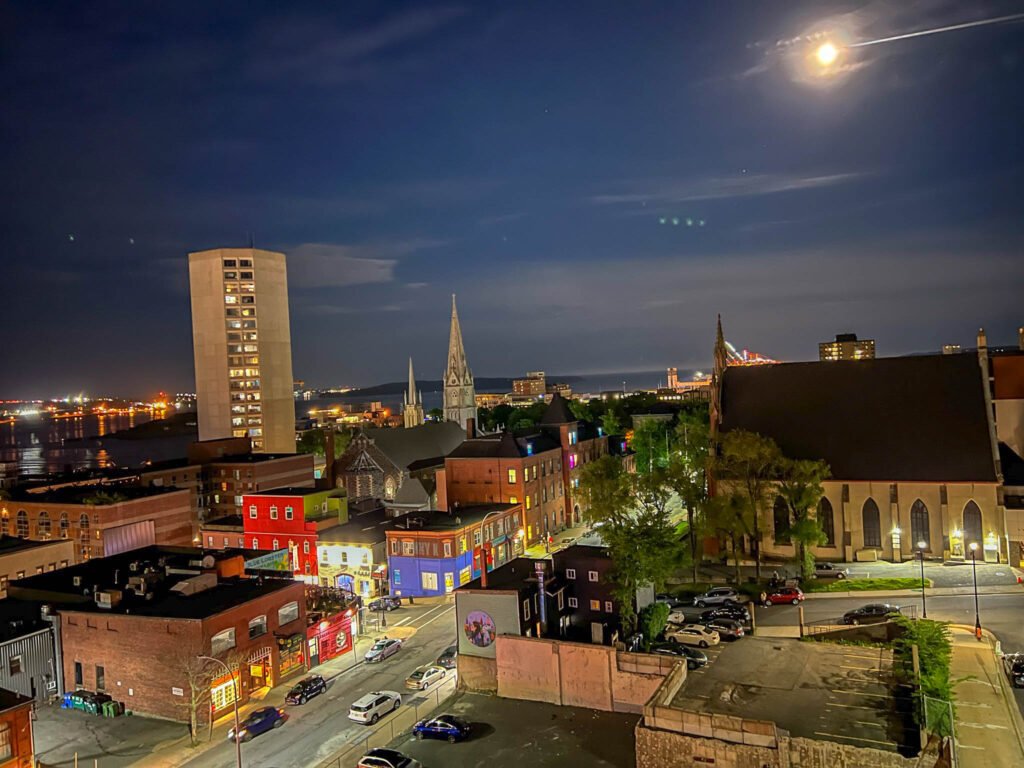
(197, 675)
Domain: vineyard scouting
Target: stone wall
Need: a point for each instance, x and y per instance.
(577, 674)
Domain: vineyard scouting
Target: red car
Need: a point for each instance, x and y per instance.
(783, 595)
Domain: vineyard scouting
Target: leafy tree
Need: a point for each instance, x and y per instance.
(750, 462)
(435, 414)
(524, 418)
(800, 487)
(496, 417)
(311, 441)
(612, 422)
(934, 652)
(635, 520)
(686, 474)
(589, 410)
(651, 441)
(653, 620)
(729, 516)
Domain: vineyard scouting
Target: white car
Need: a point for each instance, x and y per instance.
(370, 708)
(692, 634)
(425, 676)
(388, 758)
(677, 617)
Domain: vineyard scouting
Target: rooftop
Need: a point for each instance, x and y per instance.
(12, 700)
(436, 520)
(411, 444)
(807, 689)
(294, 492)
(518, 574)
(920, 418)
(12, 544)
(95, 495)
(367, 528)
(18, 618)
(161, 568)
(227, 522)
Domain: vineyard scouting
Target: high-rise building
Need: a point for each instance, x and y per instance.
(534, 384)
(459, 392)
(412, 407)
(847, 347)
(242, 344)
(673, 378)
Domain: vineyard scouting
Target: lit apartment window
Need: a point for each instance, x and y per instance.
(273, 513)
(511, 475)
(527, 501)
(534, 471)
(288, 513)
(570, 573)
(513, 500)
(595, 605)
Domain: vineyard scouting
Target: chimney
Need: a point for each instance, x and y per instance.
(470, 428)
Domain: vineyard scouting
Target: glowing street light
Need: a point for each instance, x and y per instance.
(827, 54)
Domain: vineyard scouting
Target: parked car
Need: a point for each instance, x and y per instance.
(449, 657)
(386, 646)
(678, 617)
(371, 707)
(784, 595)
(692, 634)
(736, 612)
(670, 600)
(387, 758)
(830, 571)
(1013, 663)
(694, 658)
(874, 613)
(447, 727)
(423, 677)
(260, 721)
(730, 629)
(385, 604)
(716, 596)
(306, 689)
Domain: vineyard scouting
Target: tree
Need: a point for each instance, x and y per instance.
(651, 440)
(750, 463)
(311, 441)
(197, 675)
(653, 620)
(686, 474)
(435, 414)
(800, 487)
(729, 516)
(612, 422)
(635, 521)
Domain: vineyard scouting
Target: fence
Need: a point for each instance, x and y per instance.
(393, 725)
(830, 625)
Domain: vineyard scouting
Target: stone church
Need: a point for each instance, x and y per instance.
(459, 392)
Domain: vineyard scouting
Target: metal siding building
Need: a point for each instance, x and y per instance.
(36, 675)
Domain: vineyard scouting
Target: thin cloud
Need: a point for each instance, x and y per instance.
(720, 187)
(314, 265)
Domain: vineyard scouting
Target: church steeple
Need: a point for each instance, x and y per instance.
(459, 392)
(412, 411)
(721, 361)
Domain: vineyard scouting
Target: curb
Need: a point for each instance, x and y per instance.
(933, 592)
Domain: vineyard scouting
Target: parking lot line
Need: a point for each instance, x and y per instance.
(854, 738)
(866, 722)
(849, 706)
(861, 693)
(873, 669)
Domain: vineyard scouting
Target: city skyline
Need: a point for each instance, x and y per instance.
(398, 156)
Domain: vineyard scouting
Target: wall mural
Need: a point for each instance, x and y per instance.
(479, 629)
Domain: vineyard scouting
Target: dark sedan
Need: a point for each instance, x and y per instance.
(694, 658)
(260, 721)
(874, 613)
(449, 657)
(306, 689)
(1013, 663)
(726, 628)
(385, 604)
(447, 727)
(735, 612)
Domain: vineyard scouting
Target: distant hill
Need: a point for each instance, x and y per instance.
(436, 385)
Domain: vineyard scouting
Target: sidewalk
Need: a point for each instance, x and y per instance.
(1006, 589)
(561, 540)
(988, 723)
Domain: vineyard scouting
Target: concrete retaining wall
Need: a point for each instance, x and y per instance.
(477, 673)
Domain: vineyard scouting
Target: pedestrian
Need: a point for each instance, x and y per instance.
(764, 598)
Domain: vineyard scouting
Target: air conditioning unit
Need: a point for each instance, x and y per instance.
(108, 598)
(76, 581)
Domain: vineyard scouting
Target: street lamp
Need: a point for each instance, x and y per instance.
(974, 569)
(920, 553)
(234, 683)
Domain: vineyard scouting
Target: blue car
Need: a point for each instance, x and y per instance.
(258, 722)
(447, 727)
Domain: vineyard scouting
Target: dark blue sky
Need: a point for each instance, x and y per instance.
(521, 155)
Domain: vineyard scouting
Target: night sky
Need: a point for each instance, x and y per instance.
(594, 180)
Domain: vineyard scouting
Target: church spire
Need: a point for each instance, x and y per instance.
(459, 392)
(721, 361)
(412, 412)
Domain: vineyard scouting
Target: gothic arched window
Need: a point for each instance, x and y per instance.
(972, 524)
(22, 523)
(826, 519)
(43, 525)
(780, 516)
(872, 524)
(920, 530)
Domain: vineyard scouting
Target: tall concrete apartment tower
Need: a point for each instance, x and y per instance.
(459, 392)
(412, 407)
(241, 338)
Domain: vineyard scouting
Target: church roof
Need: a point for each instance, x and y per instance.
(557, 412)
(919, 418)
(1012, 466)
(504, 446)
(457, 367)
(405, 446)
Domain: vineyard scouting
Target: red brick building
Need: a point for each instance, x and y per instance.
(535, 467)
(100, 519)
(17, 748)
(134, 624)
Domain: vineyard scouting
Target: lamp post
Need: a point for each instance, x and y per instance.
(974, 569)
(234, 683)
(920, 553)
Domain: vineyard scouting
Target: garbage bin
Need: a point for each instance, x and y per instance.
(111, 709)
(68, 702)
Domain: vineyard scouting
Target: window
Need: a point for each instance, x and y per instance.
(344, 557)
(408, 548)
(255, 544)
(305, 547)
(526, 610)
(511, 475)
(397, 578)
(64, 525)
(607, 606)
(827, 521)
(447, 549)
(872, 524)
(534, 471)
(100, 678)
(252, 512)
(273, 513)
(223, 695)
(595, 605)
(972, 523)
(513, 500)
(574, 603)
(780, 517)
(395, 547)
(561, 600)
(6, 741)
(570, 573)
(14, 665)
(257, 627)
(544, 495)
(209, 541)
(287, 613)
(527, 501)
(78, 674)
(592, 575)
(23, 523)
(428, 581)
(43, 525)
(919, 530)
(289, 513)
(274, 544)
(225, 541)
(478, 537)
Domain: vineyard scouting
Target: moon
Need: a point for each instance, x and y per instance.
(826, 54)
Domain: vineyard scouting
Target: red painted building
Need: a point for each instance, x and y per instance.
(328, 637)
(293, 518)
(17, 749)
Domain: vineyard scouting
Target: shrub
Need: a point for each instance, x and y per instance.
(934, 652)
(653, 620)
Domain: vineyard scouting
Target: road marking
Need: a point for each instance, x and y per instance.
(865, 722)
(452, 608)
(432, 610)
(849, 706)
(860, 693)
(854, 738)
(872, 669)
(984, 725)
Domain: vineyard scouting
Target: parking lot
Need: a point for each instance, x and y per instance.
(512, 734)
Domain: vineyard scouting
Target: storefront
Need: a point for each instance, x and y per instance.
(330, 638)
(291, 655)
(222, 693)
(260, 670)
